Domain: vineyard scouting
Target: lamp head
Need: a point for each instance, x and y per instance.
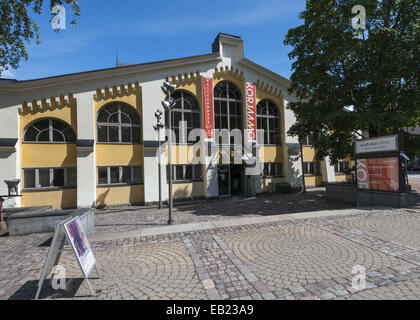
(159, 114)
(169, 86)
(168, 104)
(13, 187)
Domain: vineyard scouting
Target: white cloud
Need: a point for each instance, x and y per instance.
(7, 74)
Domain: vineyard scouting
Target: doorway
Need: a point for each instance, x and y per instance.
(231, 180)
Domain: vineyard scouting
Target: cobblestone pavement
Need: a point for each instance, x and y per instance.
(120, 219)
(291, 259)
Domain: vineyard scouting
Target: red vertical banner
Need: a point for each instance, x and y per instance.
(251, 110)
(208, 106)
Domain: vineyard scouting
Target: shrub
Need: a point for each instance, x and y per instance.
(283, 187)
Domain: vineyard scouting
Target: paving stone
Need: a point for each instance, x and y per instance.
(258, 261)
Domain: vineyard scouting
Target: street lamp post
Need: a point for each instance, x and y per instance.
(169, 103)
(303, 164)
(159, 126)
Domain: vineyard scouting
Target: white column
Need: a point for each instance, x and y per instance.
(328, 171)
(10, 157)
(210, 177)
(292, 152)
(86, 160)
(152, 102)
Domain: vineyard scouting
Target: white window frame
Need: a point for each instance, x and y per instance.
(120, 176)
(274, 166)
(51, 179)
(184, 173)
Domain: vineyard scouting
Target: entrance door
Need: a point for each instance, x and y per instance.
(224, 180)
(231, 180)
(237, 180)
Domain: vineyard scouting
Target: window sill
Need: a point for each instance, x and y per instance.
(271, 145)
(51, 143)
(47, 189)
(119, 143)
(273, 177)
(184, 182)
(118, 185)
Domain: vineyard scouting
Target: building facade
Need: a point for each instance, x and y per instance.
(87, 139)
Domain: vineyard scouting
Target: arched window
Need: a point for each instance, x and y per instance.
(228, 107)
(187, 111)
(49, 131)
(118, 123)
(268, 119)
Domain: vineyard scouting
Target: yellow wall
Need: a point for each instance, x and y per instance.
(308, 154)
(58, 199)
(49, 155)
(119, 195)
(265, 183)
(182, 154)
(67, 113)
(109, 155)
(187, 190)
(119, 155)
(271, 154)
(342, 178)
(313, 181)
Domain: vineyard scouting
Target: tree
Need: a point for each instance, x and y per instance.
(350, 82)
(17, 28)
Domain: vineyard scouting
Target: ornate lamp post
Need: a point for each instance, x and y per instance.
(169, 103)
(159, 126)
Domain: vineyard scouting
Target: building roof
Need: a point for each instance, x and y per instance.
(16, 86)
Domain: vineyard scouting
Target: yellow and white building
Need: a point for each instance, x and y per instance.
(87, 139)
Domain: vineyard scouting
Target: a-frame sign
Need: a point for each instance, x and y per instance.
(70, 231)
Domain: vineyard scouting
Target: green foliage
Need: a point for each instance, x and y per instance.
(17, 28)
(412, 145)
(349, 81)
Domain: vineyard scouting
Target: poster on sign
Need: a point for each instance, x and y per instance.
(381, 174)
(80, 245)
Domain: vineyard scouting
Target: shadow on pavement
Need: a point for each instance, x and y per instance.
(29, 289)
(266, 205)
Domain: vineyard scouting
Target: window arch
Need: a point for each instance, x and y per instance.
(186, 110)
(118, 122)
(268, 119)
(228, 107)
(49, 130)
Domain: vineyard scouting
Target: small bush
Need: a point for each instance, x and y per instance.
(283, 187)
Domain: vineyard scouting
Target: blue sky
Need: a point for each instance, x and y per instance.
(145, 31)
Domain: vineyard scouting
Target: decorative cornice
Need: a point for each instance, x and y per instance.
(185, 79)
(116, 91)
(261, 85)
(236, 73)
(46, 103)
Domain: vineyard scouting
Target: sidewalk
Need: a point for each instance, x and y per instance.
(109, 236)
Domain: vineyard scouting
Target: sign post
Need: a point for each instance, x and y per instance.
(72, 231)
